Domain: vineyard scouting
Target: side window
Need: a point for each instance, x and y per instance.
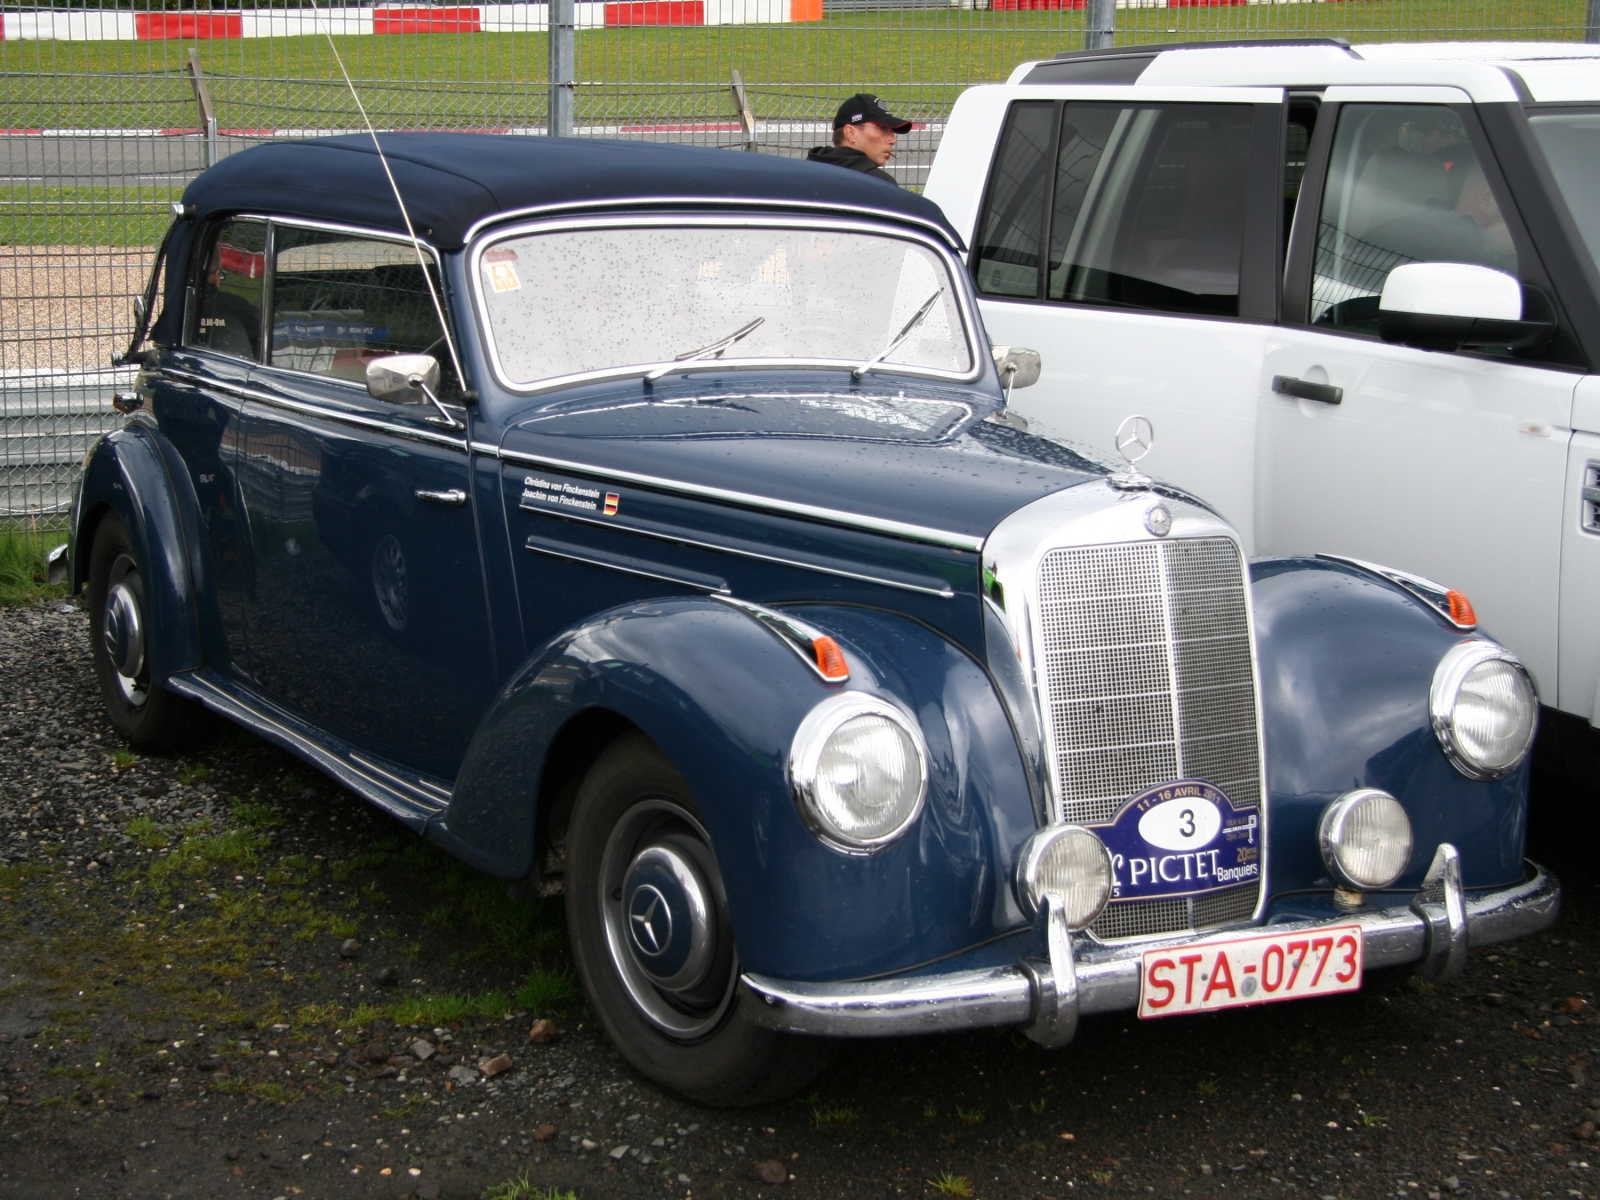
(340, 301)
(1404, 185)
(1149, 206)
(1006, 260)
(228, 295)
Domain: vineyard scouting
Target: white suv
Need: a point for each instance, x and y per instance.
(1356, 289)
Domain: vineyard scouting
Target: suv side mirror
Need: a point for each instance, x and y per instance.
(1018, 367)
(403, 378)
(1448, 306)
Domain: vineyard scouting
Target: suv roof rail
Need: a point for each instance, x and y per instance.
(1155, 48)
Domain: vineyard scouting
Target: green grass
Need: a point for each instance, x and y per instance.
(85, 216)
(22, 567)
(948, 1184)
(523, 1188)
(920, 59)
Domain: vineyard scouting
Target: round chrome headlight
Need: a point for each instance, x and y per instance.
(859, 768)
(1071, 862)
(1484, 709)
(1366, 839)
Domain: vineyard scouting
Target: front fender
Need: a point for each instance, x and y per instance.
(1346, 662)
(723, 696)
(127, 472)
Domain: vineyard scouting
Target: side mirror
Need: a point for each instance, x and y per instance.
(1448, 306)
(1018, 368)
(403, 378)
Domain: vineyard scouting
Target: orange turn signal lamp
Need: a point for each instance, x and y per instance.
(830, 659)
(1461, 610)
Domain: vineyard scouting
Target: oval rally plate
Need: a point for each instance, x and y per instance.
(1182, 838)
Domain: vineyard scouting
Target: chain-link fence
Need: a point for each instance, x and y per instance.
(99, 136)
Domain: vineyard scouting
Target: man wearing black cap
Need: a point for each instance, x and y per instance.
(864, 134)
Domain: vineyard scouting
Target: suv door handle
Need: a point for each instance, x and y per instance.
(1303, 389)
(455, 497)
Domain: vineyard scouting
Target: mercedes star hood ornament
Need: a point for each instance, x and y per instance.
(1135, 436)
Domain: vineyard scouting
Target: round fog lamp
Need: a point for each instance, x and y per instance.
(859, 770)
(1484, 709)
(1071, 862)
(1366, 839)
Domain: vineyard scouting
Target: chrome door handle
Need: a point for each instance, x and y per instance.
(455, 497)
(1304, 389)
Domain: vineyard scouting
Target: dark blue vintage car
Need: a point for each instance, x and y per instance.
(652, 529)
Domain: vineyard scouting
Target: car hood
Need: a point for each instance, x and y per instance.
(918, 457)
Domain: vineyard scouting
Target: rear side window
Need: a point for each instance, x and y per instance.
(1006, 262)
(1404, 185)
(228, 296)
(1145, 206)
(340, 301)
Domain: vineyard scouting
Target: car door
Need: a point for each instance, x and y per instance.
(198, 398)
(1450, 465)
(1132, 238)
(368, 615)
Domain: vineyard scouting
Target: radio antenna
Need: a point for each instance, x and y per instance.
(416, 244)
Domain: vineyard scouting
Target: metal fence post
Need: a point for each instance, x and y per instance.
(747, 119)
(1591, 28)
(563, 66)
(202, 97)
(1100, 24)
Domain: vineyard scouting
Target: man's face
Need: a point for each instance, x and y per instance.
(874, 140)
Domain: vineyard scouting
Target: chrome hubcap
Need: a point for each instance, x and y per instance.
(122, 634)
(666, 924)
(389, 580)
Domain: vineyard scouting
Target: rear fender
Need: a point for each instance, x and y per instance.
(128, 472)
(722, 696)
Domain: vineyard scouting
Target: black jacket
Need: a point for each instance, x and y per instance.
(853, 160)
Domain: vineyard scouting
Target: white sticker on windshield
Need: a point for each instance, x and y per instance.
(503, 277)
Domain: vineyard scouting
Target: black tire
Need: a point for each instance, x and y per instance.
(151, 718)
(634, 812)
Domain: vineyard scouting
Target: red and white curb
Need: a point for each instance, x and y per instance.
(112, 26)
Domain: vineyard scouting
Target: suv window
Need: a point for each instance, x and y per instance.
(1146, 205)
(1149, 206)
(1006, 261)
(228, 295)
(1404, 185)
(340, 301)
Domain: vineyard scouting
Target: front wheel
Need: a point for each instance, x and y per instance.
(150, 717)
(654, 945)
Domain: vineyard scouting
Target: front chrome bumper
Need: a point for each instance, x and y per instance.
(1066, 975)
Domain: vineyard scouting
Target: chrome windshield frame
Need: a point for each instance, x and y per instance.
(965, 301)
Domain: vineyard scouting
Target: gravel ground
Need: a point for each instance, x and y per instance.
(220, 975)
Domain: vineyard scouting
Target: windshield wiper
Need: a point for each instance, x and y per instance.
(714, 350)
(921, 313)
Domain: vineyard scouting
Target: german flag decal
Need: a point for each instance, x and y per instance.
(611, 504)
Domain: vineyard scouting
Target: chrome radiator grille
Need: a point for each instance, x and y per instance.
(1147, 665)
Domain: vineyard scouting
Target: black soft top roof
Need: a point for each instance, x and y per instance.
(453, 181)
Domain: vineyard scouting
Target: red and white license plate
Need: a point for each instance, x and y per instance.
(1232, 972)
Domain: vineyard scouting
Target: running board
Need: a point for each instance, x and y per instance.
(408, 797)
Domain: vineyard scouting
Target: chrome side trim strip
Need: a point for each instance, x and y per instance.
(319, 410)
(1108, 977)
(831, 516)
(413, 804)
(628, 566)
(943, 591)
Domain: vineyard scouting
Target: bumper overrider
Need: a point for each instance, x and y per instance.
(1065, 976)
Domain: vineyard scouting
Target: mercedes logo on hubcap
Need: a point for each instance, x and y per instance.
(649, 920)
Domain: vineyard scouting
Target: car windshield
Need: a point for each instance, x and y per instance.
(1571, 142)
(571, 302)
